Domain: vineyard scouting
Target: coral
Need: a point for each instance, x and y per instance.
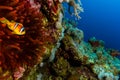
(19, 73)
(60, 67)
(26, 51)
(95, 43)
(89, 56)
(76, 4)
(106, 76)
(114, 53)
(67, 64)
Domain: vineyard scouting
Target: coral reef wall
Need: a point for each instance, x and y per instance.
(52, 48)
(76, 59)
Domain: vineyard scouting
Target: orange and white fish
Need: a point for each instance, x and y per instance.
(17, 28)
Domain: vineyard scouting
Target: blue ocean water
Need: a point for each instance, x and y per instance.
(101, 19)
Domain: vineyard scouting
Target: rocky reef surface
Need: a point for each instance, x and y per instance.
(52, 48)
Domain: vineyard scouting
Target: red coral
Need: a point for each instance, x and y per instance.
(115, 53)
(94, 43)
(27, 49)
(6, 7)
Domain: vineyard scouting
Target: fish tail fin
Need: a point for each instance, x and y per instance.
(4, 20)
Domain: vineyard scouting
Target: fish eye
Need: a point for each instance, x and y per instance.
(22, 29)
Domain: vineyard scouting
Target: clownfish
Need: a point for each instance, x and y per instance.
(15, 27)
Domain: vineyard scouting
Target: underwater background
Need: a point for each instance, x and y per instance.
(100, 19)
(46, 40)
